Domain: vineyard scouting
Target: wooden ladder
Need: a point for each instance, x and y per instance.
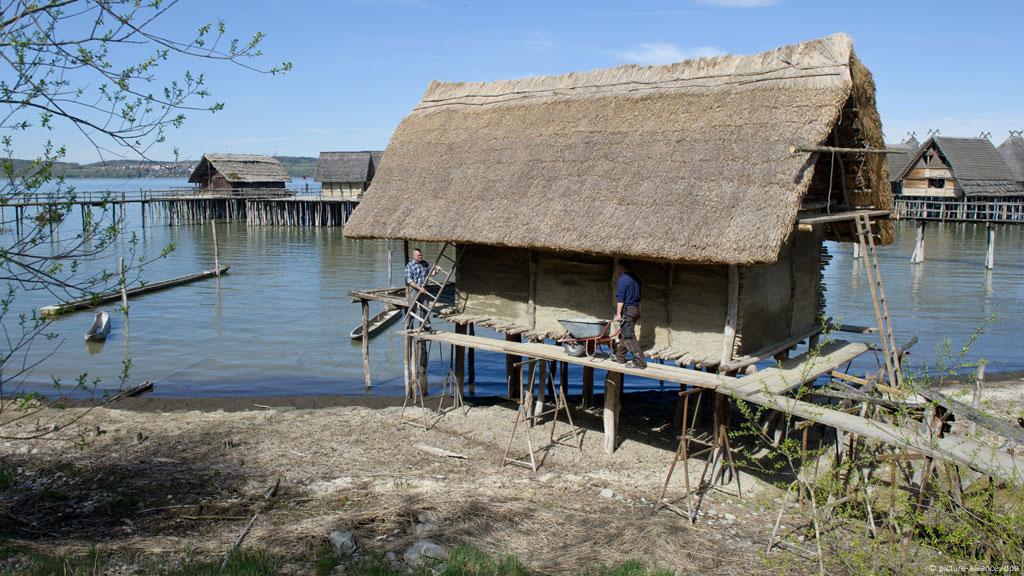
(420, 312)
(867, 249)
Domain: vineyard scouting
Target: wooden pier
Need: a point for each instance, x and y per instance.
(1006, 211)
(256, 207)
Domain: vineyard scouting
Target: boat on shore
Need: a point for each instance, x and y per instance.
(377, 323)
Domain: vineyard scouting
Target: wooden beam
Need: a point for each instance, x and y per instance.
(460, 361)
(531, 303)
(843, 216)
(798, 371)
(797, 148)
(729, 336)
(612, 407)
(366, 344)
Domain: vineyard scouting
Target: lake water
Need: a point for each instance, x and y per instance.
(278, 323)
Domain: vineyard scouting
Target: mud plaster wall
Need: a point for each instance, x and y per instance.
(684, 306)
(780, 300)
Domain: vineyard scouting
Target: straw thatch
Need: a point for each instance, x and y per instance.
(978, 167)
(240, 168)
(685, 162)
(346, 166)
(898, 160)
(1012, 151)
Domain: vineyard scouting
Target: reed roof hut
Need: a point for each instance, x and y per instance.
(685, 169)
(228, 171)
(1012, 151)
(346, 174)
(959, 168)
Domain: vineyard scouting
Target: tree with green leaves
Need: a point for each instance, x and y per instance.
(102, 69)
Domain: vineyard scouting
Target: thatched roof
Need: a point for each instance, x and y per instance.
(240, 168)
(976, 164)
(898, 160)
(1012, 151)
(346, 166)
(684, 162)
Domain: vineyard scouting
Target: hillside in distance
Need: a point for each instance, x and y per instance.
(297, 166)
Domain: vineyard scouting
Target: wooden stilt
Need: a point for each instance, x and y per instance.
(216, 259)
(563, 378)
(366, 342)
(990, 253)
(543, 379)
(587, 400)
(460, 359)
(681, 455)
(918, 256)
(124, 285)
(612, 405)
(471, 363)
(513, 372)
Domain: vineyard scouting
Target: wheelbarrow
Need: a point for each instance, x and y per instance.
(585, 337)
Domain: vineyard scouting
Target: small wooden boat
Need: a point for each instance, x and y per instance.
(377, 323)
(100, 328)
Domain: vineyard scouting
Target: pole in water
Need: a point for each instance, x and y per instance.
(216, 256)
(918, 256)
(389, 267)
(990, 254)
(124, 285)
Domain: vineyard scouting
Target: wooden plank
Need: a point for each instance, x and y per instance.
(366, 344)
(770, 350)
(729, 335)
(798, 371)
(1005, 429)
(58, 309)
(556, 352)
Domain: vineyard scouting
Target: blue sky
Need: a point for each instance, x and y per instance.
(361, 65)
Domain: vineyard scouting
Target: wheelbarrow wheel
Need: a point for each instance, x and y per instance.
(574, 349)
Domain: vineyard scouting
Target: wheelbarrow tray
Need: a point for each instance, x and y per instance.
(585, 328)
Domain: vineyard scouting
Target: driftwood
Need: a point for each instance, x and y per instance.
(439, 451)
(140, 389)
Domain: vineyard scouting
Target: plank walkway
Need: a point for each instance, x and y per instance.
(986, 459)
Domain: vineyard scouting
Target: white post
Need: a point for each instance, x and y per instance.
(216, 256)
(918, 255)
(389, 267)
(856, 251)
(990, 256)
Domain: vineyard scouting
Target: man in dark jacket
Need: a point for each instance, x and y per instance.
(627, 312)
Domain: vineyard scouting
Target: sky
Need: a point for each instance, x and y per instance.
(361, 65)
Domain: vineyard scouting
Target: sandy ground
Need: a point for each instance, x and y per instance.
(166, 482)
(169, 477)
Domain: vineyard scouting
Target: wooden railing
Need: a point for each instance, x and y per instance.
(122, 196)
(1010, 210)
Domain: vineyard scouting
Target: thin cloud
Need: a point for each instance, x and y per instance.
(651, 53)
(738, 3)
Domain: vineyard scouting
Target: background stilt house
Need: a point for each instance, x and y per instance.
(239, 171)
(346, 175)
(685, 169)
(958, 169)
(1012, 151)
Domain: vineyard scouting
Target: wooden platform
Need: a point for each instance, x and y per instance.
(758, 389)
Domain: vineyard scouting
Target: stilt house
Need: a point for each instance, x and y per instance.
(958, 169)
(346, 175)
(1012, 151)
(239, 171)
(697, 172)
(898, 160)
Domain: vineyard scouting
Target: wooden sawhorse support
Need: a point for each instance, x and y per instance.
(523, 416)
(682, 454)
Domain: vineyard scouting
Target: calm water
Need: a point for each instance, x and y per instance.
(278, 323)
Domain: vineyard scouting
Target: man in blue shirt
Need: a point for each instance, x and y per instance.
(416, 272)
(627, 312)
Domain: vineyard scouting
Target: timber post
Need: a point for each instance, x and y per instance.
(124, 285)
(366, 342)
(542, 380)
(918, 256)
(460, 360)
(612, 406)
(990, 252)
(513, 372)
(471, 362)
(216, 265)
(587, 399)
